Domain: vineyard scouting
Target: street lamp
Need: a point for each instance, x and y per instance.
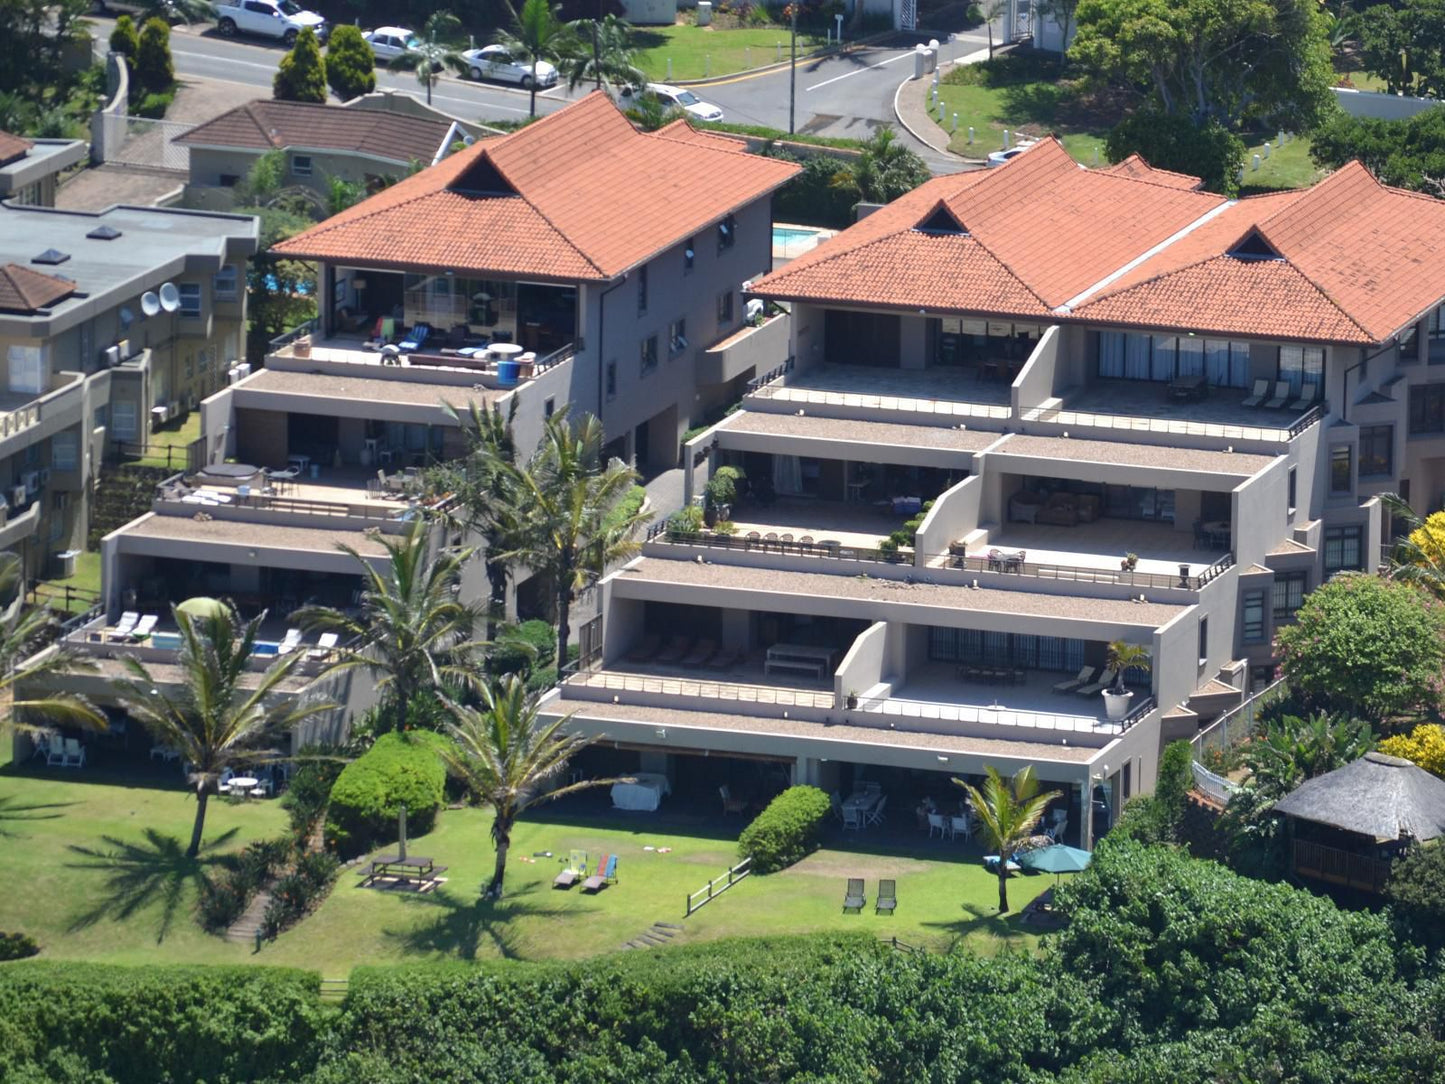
(792, 64)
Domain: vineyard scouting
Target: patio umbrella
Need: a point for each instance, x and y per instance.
(202, 607)
(1057, 859)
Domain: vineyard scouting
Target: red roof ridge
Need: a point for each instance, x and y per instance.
(1151, 174)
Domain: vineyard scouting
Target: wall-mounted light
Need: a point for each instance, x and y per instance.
(942, 759)
(661, 733)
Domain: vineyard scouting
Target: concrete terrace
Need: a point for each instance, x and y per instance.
(187, 529)
(867, 436)
(947, 392)
(1121, 453)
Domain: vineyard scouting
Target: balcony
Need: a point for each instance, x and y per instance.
(19, 526)
(752, 348)
(921, 396)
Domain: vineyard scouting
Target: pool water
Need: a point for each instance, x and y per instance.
(782, 235)
(790, 242)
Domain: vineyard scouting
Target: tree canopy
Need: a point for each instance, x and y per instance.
(1404, 45)
(1209, 151)
(301, 75)
(350, 63)
(1406, 153)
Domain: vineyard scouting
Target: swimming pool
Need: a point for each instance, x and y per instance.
(791, 241)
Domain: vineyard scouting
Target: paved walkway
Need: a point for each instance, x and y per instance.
(911, 106)
(665, 492)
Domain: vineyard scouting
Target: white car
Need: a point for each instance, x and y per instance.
(684, 99)
(390, 42)
(494, 62)
(999, 158)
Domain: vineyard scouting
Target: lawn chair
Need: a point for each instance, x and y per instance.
(576, 870)
(74, 754)
(836, 801)
(223, 785)
(1281, 395)
(854, 900)
(961, 826)
(416, 340)
(724, 659)
(126, 625)
(1308, 394)
(291, 642)
(936, 823)
(1105, 680)
(731, 804)
(875, 815)
(887, 898)
(144, 628)
(325, 645)
(55, 752)
(1258, 395)
(606, 874)
(701, 652)
(1086, 674)
(676, 648)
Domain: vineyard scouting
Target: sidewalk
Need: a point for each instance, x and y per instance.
(910, 105)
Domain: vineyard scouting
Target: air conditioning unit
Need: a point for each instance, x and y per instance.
(244, 369)
(111, 356)
(18, 495)
(122, 349)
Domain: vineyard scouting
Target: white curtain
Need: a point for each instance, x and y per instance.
(787, 475)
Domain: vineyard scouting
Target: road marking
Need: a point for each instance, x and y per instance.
(859, 71)
(225, 60)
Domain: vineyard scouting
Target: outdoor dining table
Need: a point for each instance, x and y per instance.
(243, 784)
(862, 801)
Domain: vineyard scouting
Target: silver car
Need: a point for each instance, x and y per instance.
(494, 62)
(390, 42)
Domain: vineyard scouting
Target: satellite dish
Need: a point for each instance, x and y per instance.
(126, 317)
(170, 297)
(150, 304)
(468, 140)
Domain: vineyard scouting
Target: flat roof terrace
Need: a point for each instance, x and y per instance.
(857, 440)
(948, 393)
(355, 395)
(183, 533)
(1235, 467)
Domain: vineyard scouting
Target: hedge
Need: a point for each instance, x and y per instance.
(173, 1024)
(400, 769)
(786, 831)
(17, 946)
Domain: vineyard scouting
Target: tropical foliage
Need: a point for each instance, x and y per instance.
(438, 49)
(1008, 811)
(537, 34)
(884, 170)
(1404, 44)
(1291, 749)
(1425, 746)
(600, 51)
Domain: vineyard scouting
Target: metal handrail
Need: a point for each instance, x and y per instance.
(1137, 715)
(682, 685)
(770, 376)
(291, 336)
(988, 715)
(1219, 731)
(1311, 416)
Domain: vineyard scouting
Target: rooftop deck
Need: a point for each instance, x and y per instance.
(849, 524)
(339, 491)
(950, 393)
(1144, 406)
(1162, 549)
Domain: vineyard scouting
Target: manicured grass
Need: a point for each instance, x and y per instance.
(83, 586)
(1031, 109)
(166, 447)
(700, 52)
(105, 881)
(1286, 167)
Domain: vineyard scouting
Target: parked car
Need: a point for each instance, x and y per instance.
(998, 158)
(678, 98)
(390, 42)
(494, 62)
(135, 8)
(282, 19)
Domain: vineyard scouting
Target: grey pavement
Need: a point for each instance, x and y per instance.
(665, 492)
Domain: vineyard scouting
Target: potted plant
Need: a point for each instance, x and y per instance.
(720, 493)
(685, 521)
(725, 528)
(1129, 562)
(1123, 657)
(851, 701)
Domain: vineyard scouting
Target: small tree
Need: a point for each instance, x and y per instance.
(1425, 746)
(1123, 657)
(601, 51)
(124, 39)
(1008, 810)
(885, 170)
(301, 75)
(1366, 646)
(154, 71)
(1416, 891)
(350, 63)
(1206, 150)
(1158, 817)
(1291, 750)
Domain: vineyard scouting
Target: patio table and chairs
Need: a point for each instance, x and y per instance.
(862, 807)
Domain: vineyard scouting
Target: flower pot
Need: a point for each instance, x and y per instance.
(852, 701)
(1116, 705)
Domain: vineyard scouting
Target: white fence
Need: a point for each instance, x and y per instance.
(150, 144)
(1214, 787)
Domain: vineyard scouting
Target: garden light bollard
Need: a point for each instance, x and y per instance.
(1005, 139)
(707, 65)
(780, 52)
(669, 69)
(941, 107)
(955, 123)
(747, 56)
(1254, 163)
(970, 135)
(1266, 149)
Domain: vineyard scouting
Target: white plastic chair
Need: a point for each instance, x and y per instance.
(146, 626)
(325, 644)
(936, 823)
(74, 753)
(961, 826)
(290, 643)
(126, 625)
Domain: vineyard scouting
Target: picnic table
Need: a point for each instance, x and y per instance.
(414, 868)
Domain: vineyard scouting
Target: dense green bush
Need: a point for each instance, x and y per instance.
(1158, 817)
(154, 73)
(309, 791)
(299, 892)
(400, 769)
(17, 946)
(1416, 891)
(173, 1024)
(350, 63)
(301, 74)
(124, 39)
(816, 196)
(153, 106)
(786, 831)
(1172, 141)
(520, 649)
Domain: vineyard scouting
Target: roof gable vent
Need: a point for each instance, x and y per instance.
(941, 220)
(1254, 246)
(483, 178)
(103, 233)
(51, 256)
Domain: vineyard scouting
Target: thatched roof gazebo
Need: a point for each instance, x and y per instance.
(1349, 824)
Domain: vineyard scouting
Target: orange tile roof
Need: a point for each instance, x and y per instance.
(13, 147)
(25, 291)
(580, 194)
(267, 125)
(1137, 168)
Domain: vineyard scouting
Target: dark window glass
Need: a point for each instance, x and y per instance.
(1377, 451)
(1343, 549)
(1253, 632)
(649, 354)
(611, 379)
(642, 288)
(1289, 594)
(1342, 468)
(1427, 408)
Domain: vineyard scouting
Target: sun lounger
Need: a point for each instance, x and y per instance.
(575, 871)
(887, 898)
(145, 627)
(645, 651)
(724, 660)
(853, 899)
(325, 645)
(1105, 680)
(700, 653)
(74, 754)
(606, 874)
(127, 624)
(676, 648)
(1086, 674)
(290, 643)
(1258, 395)
(417, 339)
(1308, 394)
(1281, 395)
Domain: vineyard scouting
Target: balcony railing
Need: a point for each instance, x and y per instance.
(1340, 867)
(769, 377)
(721, 690)
(1083, 419)
(1000, 715)
(660, 532)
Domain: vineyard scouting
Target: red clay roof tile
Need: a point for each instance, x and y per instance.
(267, 125)
(25, 291)
(13, 148)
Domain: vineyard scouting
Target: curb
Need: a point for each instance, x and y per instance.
(764, 69)
(928, 139)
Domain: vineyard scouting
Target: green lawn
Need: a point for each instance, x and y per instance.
(84, 586)
(104, 880)
(1286, 167)
(1030, 109)
(700, 52)
(166, 447)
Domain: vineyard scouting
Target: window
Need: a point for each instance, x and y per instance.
(727, 233)
(676, 338)
(612, 380)
(190, 299)
(649, 354)
(725, 307)
(1377, 450)
(1163, 357)
(101, 416)
(1410, 344)
(1293, 487)
(27, 369)
(1289, 595)
(1344, 549)
(1253, 632)
(642, 289)
(1203, 641)
(689, 254)
(1301, 365)
(301, 165)
(223, 286)
(1427, 409)
(65, 450)
(122, 418)
(1342, 468)
(550, 406)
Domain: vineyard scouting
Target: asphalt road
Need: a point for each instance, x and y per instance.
(847, 95)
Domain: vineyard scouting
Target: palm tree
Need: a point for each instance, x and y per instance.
(885, 170)
(509, 760)
(1008, 810)
(536, 35)
(569, 530)
(215, 718)
(24, 634)
(601, 50)
(434, 52)
(1123, 657)
(1418, 556)
(993, 9)
(410, 634)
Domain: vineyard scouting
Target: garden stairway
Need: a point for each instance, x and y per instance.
(121, 494)
(245, 929)
(660, 933)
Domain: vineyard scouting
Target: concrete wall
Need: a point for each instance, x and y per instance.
(750, 352)
(1036, 380)
(1259, 508)
(651, 12)
(1175, 651)
(868, 664)
(955, 514)
(1381, 106)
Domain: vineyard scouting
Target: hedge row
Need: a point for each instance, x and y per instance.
(400, 769)
(786, 831)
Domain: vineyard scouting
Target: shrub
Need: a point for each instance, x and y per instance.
(124, 39)
(1158, 817)
(299, 892)
(17, 946)
(786, 831)
(154, 71)
(1209, 150)
(307, 796)
(520, 649)
(350, 63)
(301, 75)
(1416, 891)
(689, 520)
(154, 106)
(816, 196)
(400, 769)
(1425, 746)
(225, 899)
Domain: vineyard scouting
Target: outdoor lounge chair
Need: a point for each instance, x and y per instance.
(126, 625)
(1086, 674)
(325, 645)
(645, 651)
(854, 900)
(1258, 395)
(74, 754)
(875, 815)
(145, 627)
(290, 643)
(55, 752)
(606, 874)
(731, 804)
(576, 870)
(887, 897)
(701, 652)
(724, 659)
(1281, 395)
(1105, 680)
(417, 339)
(676, 648)
(1308, 394)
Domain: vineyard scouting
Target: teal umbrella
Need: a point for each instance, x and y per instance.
(1057, 859)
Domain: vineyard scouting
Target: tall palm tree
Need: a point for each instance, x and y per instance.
(1008, 810)
(24, 633)
(1418, 556)
(509, 760)
(410, 634)
(215, 718)
(570, 530)
(438, 49)
(601, 50)
(536, 35)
